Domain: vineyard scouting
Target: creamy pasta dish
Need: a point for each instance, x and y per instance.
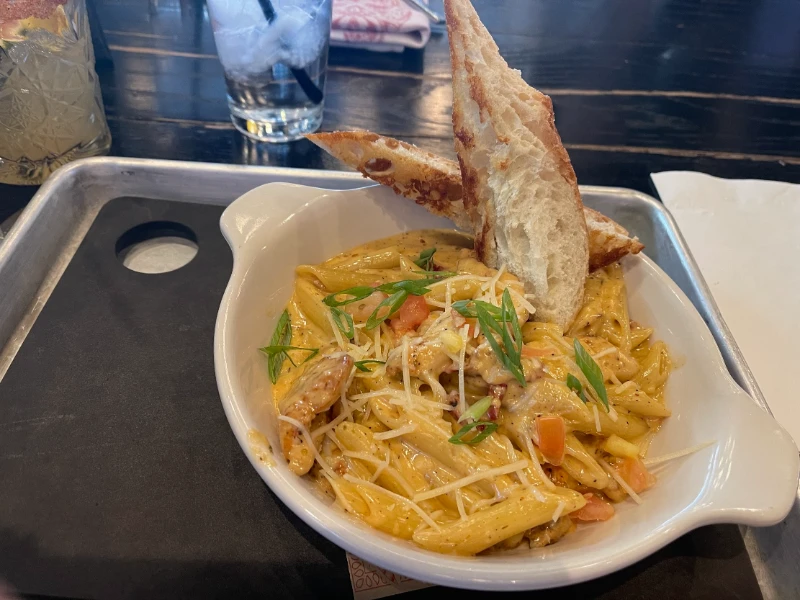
(415, 386)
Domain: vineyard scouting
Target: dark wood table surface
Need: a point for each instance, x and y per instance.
(639, 86)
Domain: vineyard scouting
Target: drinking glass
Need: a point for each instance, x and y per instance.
(51, 111)
(274, 54)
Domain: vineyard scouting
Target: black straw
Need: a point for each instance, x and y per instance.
(312, 91)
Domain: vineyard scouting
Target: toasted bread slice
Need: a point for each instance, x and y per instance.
(427, 179)
(518, 181)
(608, 240)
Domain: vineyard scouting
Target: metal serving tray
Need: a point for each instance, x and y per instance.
(41, 244)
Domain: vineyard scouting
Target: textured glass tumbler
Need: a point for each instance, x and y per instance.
(275, 55)
(51, 111)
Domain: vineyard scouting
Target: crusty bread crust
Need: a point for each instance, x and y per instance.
(608, 240)
(427, 178)
(519, 185)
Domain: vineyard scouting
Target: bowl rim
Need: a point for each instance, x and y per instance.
(421, 564)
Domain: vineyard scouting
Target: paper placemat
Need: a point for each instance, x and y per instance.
(370, 582)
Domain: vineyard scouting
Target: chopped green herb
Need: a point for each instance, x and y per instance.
(488, 429)
(425, 260)
(282, 351)
(477, 410)
(344, 322)
(280, 337)
(391, 305)
(503, 321)
(361, 365)
(467, 308)
(512, 335)
(591, 370)
(356, 293)
(414, 287)
(575, 385)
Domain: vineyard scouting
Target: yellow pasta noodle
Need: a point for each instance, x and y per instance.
(448, 415)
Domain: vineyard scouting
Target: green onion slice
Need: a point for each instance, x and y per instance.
(575, 385)
(280, 337)
(489, 429)
(391, 305)
(477, 410)
(425, 260)
(355, 294)
(344, 322)
(281, 352)
(591, 370)
(361, 365)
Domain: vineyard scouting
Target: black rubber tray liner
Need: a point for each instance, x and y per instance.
(119, 476)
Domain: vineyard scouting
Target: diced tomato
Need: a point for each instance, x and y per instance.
(411, 314)
(635, 474)
(552, 437)
(595, 509)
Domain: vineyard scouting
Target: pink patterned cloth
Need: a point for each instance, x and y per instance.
(378, 25)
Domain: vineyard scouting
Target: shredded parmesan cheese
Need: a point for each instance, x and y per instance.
(387, 435)
(462, 358)
(612, 414)
(596, 418)
(622, 483)
(467, 277)
(325, 428)
(345, 404)
(605, 352)
(336, 334)
(537, 465)
(419, 401)
(625, 387)
(309, 442)
(339, 496)
(525, 304)
(406, 369)
(679, 454)
(470, 479)
(557, 512)
(536, 493)
(460, 504)
(378, 353)
(410, 503)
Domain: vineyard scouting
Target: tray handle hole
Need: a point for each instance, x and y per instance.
(157, 247)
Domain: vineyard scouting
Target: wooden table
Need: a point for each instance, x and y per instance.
(638, 86)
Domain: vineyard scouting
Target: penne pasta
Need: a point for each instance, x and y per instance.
(439, 412)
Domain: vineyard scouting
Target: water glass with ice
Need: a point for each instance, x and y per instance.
(275, 55)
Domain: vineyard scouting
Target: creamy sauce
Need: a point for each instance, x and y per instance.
(451, 246)
(260, 447)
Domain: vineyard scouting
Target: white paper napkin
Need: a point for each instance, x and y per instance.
(370, 582)
(379, 25)
(745, 236)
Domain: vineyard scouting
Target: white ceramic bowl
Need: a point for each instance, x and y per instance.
(748, 476)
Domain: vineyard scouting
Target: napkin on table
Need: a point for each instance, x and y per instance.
(745, 237)
(378, 25)
(370, 582)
